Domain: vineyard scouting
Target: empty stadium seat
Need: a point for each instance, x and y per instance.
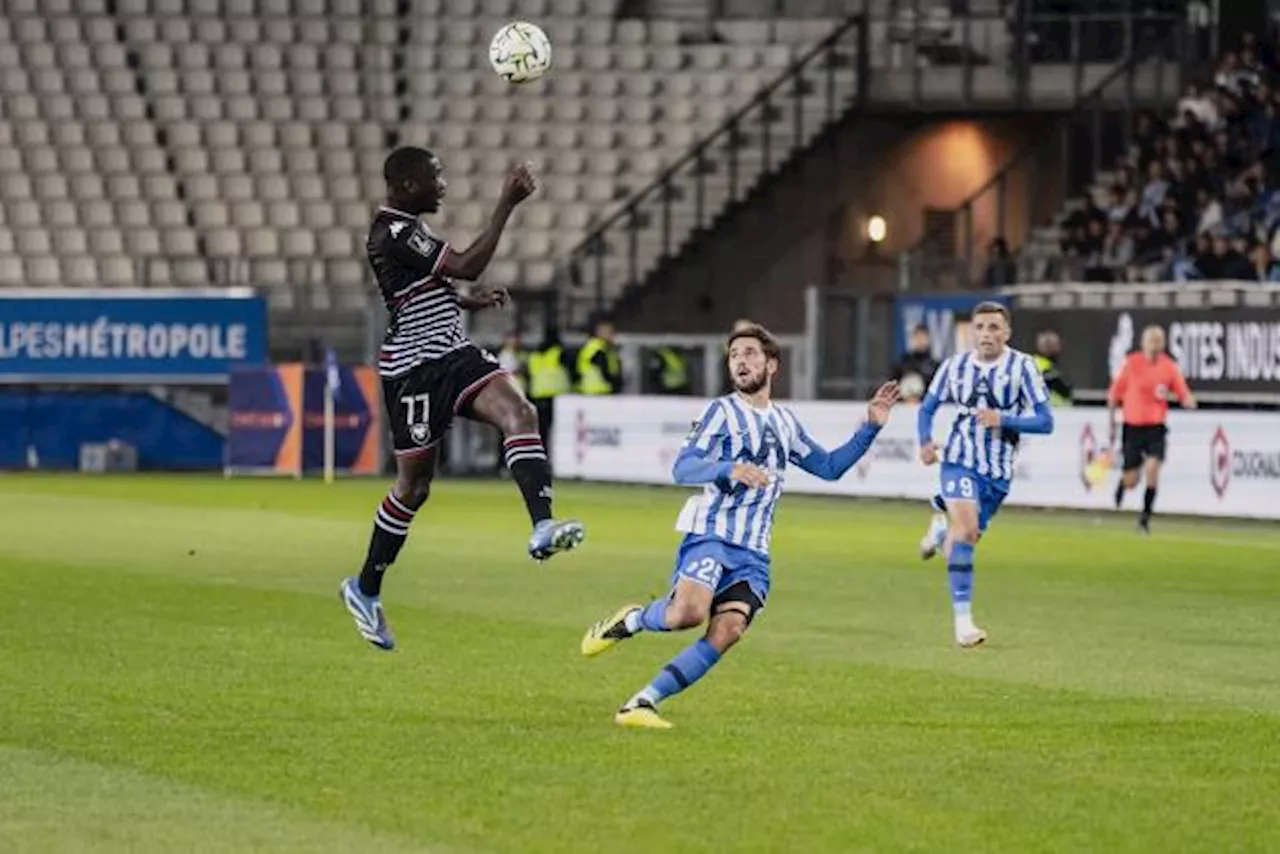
(173, 131)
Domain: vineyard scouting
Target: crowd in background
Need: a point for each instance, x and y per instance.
(1198, 195)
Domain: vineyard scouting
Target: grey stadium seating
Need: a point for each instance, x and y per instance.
(194, 142)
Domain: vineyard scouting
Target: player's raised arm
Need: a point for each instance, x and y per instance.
(937, 394)
(832, 465)
(472, 261)
(1036, 394)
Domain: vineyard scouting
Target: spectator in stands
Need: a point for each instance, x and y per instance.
(1266, 56)
(1091, 250)
(599, 366)
(1197, 107)
(1227, 262)
(1001, 268)
(668, 371)
(1197, 180)
(1211, 215)
(549, 377)
(1205, 263)
(1233, 76)
(916, 368)
(1048, 348)
(1239, 266)
(1154, 190)
(1117, 207)
(1147, 136)
(1117, 250)
(1265, 268)
(1193, 197)
(1167, 240)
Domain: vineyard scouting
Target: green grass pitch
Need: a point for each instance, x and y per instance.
(178, 675)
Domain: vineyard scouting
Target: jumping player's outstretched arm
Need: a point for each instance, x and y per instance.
(471, 262)
(699, 462)
(832, 465)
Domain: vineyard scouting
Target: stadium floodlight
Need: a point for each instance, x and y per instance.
(877, 228)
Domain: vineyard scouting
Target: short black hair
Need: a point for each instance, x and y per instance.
(993, 307)
(407, 162)
(768, 343)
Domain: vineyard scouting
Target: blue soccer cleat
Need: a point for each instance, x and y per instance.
(371, 622)
(550, 537)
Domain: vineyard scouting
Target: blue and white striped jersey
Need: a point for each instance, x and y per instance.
(1012, 385)
(733, 431)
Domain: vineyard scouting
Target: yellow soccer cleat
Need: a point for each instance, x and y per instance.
(607, 632)
(642, 715)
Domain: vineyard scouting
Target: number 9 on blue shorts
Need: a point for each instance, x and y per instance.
(964, 484)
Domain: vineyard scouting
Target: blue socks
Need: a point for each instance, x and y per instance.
(960, 576)
(690, 665)
(653, 618)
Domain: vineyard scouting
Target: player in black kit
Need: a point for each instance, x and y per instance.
(431, 372)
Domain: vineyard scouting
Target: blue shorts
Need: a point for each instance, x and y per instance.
(963, 484)
(720, 566)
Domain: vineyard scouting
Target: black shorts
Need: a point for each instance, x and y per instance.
(422, 403)
(1142, 441)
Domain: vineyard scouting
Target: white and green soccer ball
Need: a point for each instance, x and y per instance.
(520, 52)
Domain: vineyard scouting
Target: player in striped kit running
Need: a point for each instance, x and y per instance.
(431, 372)
(738, 453)
(994, 386)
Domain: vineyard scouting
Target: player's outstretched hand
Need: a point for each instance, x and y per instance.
(519, 185)
(750, 475)
(490, 297)
(482, 298)
(929, 453)
(881, 402)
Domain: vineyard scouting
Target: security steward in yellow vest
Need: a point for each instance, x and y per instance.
(669, 371)
(1047, 349)
(599, 367)
(548, 379)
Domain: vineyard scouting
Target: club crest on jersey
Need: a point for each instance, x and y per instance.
(759, 456)
(419, 433)
(420, 243)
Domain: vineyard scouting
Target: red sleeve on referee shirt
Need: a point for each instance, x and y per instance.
(1179, 383)
(1115, 395)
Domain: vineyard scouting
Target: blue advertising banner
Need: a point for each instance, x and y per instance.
(266, 423)
(946, 316)
(130, 335)
(357, 411)
(278, 419)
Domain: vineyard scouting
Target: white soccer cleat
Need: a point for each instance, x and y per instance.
(968, 635)
(931, 543)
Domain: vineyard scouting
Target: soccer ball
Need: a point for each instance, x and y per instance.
(520, 52)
